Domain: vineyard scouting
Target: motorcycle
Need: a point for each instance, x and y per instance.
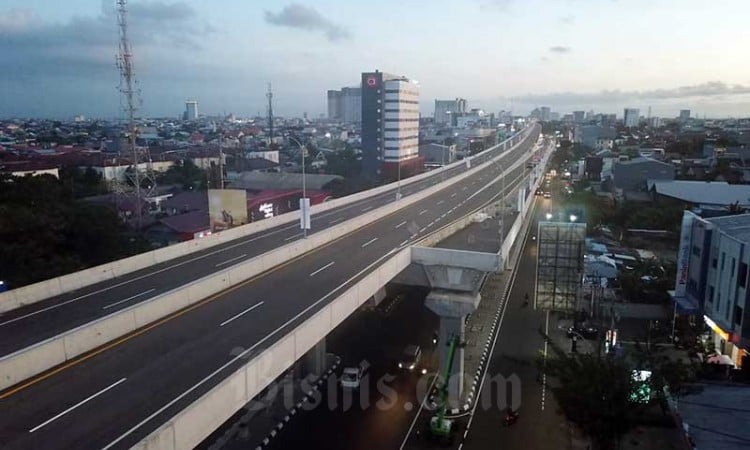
(510, 418)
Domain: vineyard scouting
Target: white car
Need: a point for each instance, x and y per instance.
(352, 376)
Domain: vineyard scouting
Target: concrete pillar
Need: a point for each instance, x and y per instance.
(375, 300)
(314, 361)
(452, 307)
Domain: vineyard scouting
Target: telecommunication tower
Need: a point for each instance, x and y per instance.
(143, 184)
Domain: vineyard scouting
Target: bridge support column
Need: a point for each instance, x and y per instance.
(452, 307)
(314, 361)
(375, 300)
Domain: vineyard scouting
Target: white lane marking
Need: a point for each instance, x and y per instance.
(401, 224)
(322, 269)
(339, 219)
(419, 411)
(366, 208)
(241, 314)
(77, 405)
(440, 203)
(293, 237)
(422, 230)
(232, 259)
(244, 353)
(403, 243)
(123, 283)
(422, 212)
(453, 195)
(188, 261)
(129, 298)
(369, 242)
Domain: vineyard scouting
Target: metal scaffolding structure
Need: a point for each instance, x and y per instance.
(561, 247)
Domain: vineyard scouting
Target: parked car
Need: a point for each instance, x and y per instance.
(352, 376)
(584, 331)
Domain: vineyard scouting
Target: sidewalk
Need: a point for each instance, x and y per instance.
(258, 422)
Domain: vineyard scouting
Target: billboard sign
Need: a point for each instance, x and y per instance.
(683, 257)
(227, 208)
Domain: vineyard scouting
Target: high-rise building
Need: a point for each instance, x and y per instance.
(544, 113)
(335, 106)
(632, 116)
(654, 122)
(390, 125)
(345, 105)
(191, 110)
(579, 116)
(684, 115)
(351, 100)
(447, 110)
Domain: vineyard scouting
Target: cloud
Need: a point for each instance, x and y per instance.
(34, 47)
(307, 18)
(496, 5)
(51, 61)
(16, 19)
(559, 49)
(567, 20)
(715, 90)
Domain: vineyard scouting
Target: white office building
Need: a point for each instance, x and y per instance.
(401, 120)
(631, 117)
(191, 110)
(445, 110)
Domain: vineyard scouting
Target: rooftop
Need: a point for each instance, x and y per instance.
(718, 417)
(737, 226)
(703, 192)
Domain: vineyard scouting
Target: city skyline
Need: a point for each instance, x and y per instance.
(569, 55)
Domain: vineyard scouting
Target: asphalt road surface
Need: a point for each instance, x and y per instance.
(28, 325)
(512, 378)
(369, 418)
(116, 395)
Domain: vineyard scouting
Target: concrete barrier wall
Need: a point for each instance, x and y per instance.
(521, 224)
(190, 426)
(32, 293)
(45, 355)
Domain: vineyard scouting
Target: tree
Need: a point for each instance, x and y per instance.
(185, 173)
(594, 393)
(46, 233)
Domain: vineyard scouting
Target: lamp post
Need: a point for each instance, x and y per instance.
(304, 205)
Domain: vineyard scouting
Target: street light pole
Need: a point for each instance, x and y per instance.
(303, 207)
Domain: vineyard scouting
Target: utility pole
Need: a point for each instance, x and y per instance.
(269, 96)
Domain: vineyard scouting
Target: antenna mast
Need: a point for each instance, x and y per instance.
(128, 91)
(269, 95)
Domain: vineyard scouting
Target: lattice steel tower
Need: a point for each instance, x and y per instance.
(143, 184)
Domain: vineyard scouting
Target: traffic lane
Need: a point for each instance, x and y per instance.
(28, 325)
(376, 418)
(164, 349)
(519, 344)
(31, 324)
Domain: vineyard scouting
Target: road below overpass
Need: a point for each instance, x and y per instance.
(118, 394)
(517, 345)
(36, 322)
